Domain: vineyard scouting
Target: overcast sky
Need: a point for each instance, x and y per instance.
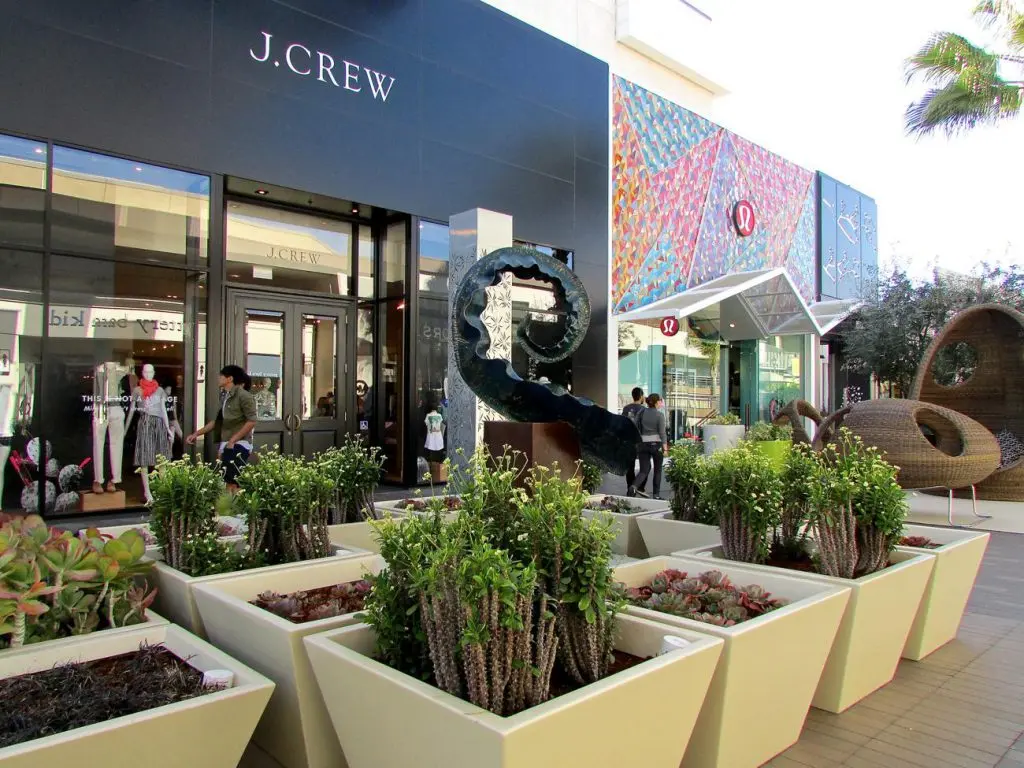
(821, 82)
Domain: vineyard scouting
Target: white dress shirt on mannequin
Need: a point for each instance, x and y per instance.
(108, 421)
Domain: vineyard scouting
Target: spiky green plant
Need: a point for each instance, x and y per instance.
(354, 469)
(186, 494)
(686, 473)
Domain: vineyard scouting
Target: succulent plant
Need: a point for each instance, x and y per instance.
(919, 542)
(709, 597)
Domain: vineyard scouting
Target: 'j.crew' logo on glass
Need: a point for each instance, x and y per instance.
(322, 66)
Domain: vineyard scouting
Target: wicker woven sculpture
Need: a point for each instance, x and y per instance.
(994, 394)
(964, 453)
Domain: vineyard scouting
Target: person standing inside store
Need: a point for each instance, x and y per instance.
(234, 424)
(653, 445)
(633, 412)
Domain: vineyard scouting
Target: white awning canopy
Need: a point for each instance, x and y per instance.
(746, 305)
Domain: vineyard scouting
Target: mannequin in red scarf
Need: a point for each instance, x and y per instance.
(154, 435)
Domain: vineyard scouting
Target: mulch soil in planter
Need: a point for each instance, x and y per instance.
(562, 684)
(76, 695)
(315, 604)
(618, 506)
(451, 503)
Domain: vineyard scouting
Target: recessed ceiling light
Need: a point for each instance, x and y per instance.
(732, 325)
(138, 168)
(39, 150)
(355, 209)
(262, 191)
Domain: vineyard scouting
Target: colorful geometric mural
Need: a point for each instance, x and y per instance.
(849, 240)
(675, 180)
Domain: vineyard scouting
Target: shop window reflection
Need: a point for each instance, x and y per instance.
(112, 207)
(365, 393)
(22, 191)
(390, 399)
(108, 322)
(431, 427)
(21, 326)
(433, 258)
(780, 369)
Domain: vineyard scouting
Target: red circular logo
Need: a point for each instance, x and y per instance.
(670, 326)
(743, 217)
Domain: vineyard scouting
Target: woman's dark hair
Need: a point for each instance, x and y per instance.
(653, 399)
(237, 374)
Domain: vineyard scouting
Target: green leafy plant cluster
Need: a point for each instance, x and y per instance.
(54, 584)
(686, 472)
(791, 538)
(354, 469)
(186, 495)
(286, 502)
(591, 477)
(725, 420)
(763, 432)
(709, 597)
(488, 605)
(745, 491)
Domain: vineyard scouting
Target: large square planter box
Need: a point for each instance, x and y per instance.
(176, 600)
(399, 507)
(295, 729)
(386, 719)
(957, 561)
(770, 667)
(882, 608)
(662, 535)
(360, 537)
(628, 540)
(210, 730)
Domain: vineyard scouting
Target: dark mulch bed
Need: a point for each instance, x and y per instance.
(315, 604)
(76, 695)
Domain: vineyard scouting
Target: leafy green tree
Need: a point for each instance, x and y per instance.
(889, 334)
(970, 84)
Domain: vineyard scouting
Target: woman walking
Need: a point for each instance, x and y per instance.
(653, 446)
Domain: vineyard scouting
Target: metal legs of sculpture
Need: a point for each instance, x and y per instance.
(607, 440)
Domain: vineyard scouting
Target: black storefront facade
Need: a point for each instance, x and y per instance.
(187, 183)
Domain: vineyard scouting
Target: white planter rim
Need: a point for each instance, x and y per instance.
(497, 723)
(946, 537)
(349, 552)
(212, 588)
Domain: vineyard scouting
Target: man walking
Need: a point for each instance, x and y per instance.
(633, 412)
(234, 424)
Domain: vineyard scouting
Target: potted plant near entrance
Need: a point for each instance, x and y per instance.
(284, 500)
(857, 513)
(773, 441)
(510, 612)
(689, 522)
(722, 433)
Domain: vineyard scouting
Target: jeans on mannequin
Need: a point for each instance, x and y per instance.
(114, 427)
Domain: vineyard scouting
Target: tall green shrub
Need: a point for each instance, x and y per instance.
(184, 507)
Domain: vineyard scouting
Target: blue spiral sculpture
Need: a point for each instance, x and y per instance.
(607, 440)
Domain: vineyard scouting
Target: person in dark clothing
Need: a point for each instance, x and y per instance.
(632, 412)
(653, 445)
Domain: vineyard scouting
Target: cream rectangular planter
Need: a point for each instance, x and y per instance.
(628, 540)
(945, 598)
(882, 608)
(662, 535)
(770, 667)
(385, 719)
(175, 598)
(360, 537)
(398, 506)
(295, 728)
(210, 730)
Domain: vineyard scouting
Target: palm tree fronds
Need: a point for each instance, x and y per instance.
(947, 56)
(1008, 16)
(955, 108)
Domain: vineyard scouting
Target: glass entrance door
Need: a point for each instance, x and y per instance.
(296, 354)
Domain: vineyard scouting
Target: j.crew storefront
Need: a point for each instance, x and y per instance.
(202, 182)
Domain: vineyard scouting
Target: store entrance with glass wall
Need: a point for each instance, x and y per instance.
(296, 355)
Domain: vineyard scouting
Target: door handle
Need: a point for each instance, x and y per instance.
(288, 423)
(298, 422)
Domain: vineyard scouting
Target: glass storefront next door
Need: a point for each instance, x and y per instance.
(295, 353)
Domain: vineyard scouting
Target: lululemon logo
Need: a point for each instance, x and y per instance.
(670, 326)
(743, 217)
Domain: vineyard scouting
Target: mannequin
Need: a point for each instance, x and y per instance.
(108, 420)
(435, 435)
(154, 435)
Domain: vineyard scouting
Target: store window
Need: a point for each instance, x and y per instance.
(431, 423)
(112, 207)
(22, 192)
(114, 373)
(21, 330)
(780, 373)
(683, 369)
(275, 248)
(365, 392)
(367, 285)
(433, 266)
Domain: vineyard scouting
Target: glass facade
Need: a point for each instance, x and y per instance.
(106, 293)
